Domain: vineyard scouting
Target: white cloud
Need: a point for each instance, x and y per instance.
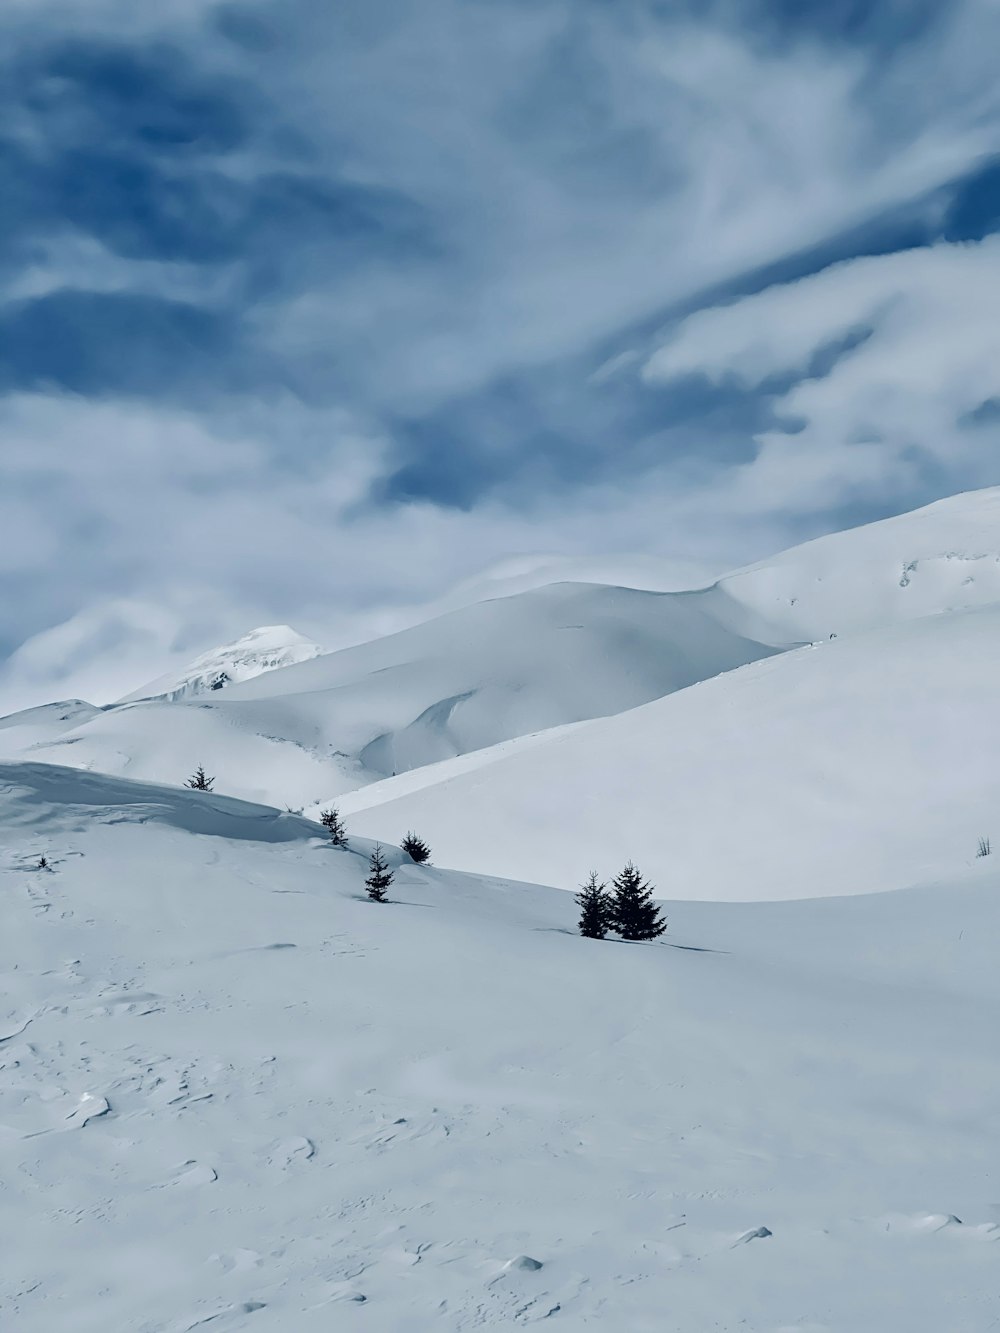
(163, 537)
(891, 405)
(686, 154)
(565, 200)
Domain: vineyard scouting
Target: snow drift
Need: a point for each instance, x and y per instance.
(862, 764)
(944, 557)
(234, 1094)
(476, 676)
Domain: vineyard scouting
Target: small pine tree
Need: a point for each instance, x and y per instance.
(634, 915)
(43, 863)
(416, 849)
(200, 782)
(594, 902)
(334, 825)
(379, 875)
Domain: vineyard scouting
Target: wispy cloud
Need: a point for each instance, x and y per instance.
(914, 366)
(304, 307)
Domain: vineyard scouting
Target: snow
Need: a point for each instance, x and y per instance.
(264, 649)
(944, 557)
(235, 1094)
(295, 727)
(478, 675)
(524, 573)
(865, 763)
(33, 725)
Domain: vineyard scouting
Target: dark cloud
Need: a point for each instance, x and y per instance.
(565, 430)
(159, 160)
(882, 25)
(114, 343)
(153, 97)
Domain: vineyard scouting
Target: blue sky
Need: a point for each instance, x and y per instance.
(308, 311)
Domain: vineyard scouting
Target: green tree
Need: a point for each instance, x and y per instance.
(416, 849)
(199, 782)
(334, 825)
(594, 903)
(379, 875)
(635, 916)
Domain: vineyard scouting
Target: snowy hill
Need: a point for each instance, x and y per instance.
(290, 726)
(265, 649)
(238, 1095)
(19, 731)
(866, 763)
(478, 675)
(945, 557)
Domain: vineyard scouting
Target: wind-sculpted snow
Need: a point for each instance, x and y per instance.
(865, 763)
(30, 790)
(945, 557)
(34, 725)
(235, 1094)
(476, 676)
(508, 668)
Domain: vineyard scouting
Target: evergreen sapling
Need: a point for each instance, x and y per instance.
(334, 825)
(594, 902)
(199, 782)
(379, 876)
(416, 849)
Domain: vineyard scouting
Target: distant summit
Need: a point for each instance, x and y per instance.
(263, 649)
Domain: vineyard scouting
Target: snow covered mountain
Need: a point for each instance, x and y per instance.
(862, 764)
(237, 1095)
(944, 557)
(512, 668)
(264, 649)
(478, 675)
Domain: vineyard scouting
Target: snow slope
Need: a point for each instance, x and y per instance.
(265, 649)
(513, 666)
(234, 1094)
(945, 557)
(866, 763)
(32, 725)
(479, 675)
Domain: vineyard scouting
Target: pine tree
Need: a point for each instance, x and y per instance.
(334, 825)
(379, 875)
(416, 848)
(634, 915)
(199, 782)
(594, 902)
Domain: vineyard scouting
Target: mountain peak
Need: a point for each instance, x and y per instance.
(265, 648)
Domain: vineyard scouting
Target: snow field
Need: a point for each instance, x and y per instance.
(236, 1094)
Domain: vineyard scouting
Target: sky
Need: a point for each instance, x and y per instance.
(311, 311)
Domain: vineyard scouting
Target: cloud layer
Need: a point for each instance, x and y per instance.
(306, 311)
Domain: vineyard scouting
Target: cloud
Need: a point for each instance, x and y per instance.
(150, 538)
(308, 309)
(905, 393)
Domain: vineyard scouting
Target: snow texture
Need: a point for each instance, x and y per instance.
(945, 557)
(265, 649)
(234, 1094)
(862, 764)
(476, 676)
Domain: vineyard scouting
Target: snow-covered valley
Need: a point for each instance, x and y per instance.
(235, 1093)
